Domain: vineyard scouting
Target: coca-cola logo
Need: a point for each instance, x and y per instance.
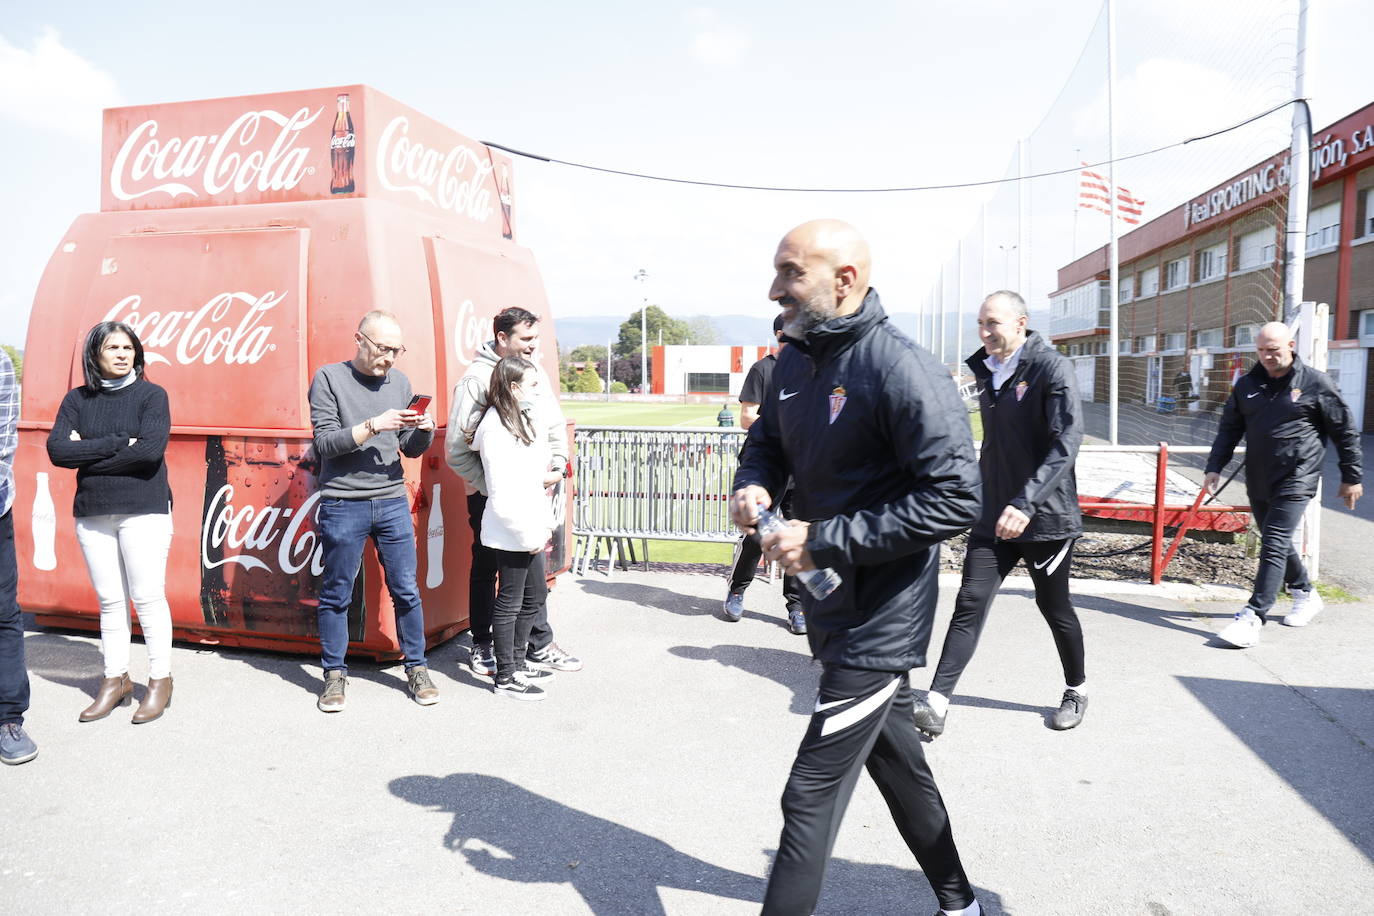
(234, 158)
(467, 333)
(205, 335)
(286, 533)
(455, 180)
(346, 141)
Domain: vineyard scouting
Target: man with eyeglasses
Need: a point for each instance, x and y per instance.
(363, 424)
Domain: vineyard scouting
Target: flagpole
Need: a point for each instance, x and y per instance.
(1073, 252)
(1114, 268)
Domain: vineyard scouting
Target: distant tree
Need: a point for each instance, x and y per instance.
(618, 388)
(674, 331)
(17, 358)
(588, 382)
(626, 372)
(703, 331)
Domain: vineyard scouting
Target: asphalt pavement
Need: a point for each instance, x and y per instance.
(1203, 780)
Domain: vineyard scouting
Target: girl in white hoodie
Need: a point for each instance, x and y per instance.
(518, 518)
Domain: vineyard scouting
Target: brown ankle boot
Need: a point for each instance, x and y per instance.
(114, 691)
(158, 698)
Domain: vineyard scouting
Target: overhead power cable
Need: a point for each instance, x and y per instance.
(929, 187)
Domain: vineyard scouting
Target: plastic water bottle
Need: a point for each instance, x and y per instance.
(819, 582)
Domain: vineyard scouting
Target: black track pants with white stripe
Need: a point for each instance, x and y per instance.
(986, 564)
(862, 718)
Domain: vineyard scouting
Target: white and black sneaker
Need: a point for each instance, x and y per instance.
(517, 688)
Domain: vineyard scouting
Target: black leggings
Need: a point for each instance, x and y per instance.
(1279, 563)
(862, 718)
(520, 598)
(985, 566)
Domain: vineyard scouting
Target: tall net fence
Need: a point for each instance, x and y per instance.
(1201, 224)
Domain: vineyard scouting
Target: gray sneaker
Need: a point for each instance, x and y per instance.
(422, 689)
(1070, 711)
(332, 699)
(16, 746)
(482, 659)
(552, 658)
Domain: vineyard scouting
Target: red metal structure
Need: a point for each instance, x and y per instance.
(243, 238)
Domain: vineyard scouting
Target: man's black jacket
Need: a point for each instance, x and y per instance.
(871, 429)
(1286, 423)
(1032, 429)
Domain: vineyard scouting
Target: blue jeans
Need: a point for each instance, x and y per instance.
(14, 676)
(344, 526)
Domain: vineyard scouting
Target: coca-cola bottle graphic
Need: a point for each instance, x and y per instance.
(503, 194)
(341, 147)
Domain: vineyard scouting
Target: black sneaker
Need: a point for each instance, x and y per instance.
(928, 720)
(517, 688)
(1070, 711)
(552, 658)
(796, 620)
(733, 609)
(528, 672)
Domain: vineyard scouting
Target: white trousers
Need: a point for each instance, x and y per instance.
(126, 556)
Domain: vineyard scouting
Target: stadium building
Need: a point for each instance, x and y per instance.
(1197, 282)
(713, 370)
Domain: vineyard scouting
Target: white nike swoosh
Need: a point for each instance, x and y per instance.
(1252, 394)
(785, 394)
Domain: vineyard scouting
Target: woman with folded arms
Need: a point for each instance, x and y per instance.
(113, 430)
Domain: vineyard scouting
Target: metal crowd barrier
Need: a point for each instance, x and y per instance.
(642, 482)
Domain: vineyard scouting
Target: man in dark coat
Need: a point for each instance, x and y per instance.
(871, 430)
(1032, 428)
(1286, 411)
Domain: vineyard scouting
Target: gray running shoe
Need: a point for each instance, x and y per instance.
(1070, 711)
(16, 746)
(734, 606)
(928, 720)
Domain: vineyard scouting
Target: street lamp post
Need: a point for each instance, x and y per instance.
(641, 276)
(1006, 255)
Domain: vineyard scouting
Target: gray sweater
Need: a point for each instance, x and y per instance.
(340, 399)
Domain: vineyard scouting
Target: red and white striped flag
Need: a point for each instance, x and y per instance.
(1093, 194)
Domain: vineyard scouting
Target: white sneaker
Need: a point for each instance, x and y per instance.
(1244, 631)
(1306, 605)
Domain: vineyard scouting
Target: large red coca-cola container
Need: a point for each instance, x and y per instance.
(223, 238)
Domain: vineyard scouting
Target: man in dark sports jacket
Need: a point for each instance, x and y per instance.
(871, 429)
(1286, 412)
(1032, 428)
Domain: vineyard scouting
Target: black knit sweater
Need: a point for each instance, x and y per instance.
(112, 476)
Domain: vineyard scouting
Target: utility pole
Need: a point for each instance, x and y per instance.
(643, 333)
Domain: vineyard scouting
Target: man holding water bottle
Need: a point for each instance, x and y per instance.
(870, 427)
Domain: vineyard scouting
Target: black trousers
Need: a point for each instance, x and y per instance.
(522, 595)
(1279, 563)
(863, 719)
(747, 562)
(482, 585)
(986, 564)
(14, 675)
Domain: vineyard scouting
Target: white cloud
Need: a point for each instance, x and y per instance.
(52, 86)
(716, 44)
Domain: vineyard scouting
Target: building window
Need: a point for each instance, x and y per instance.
(1145, 344)
(1176, 274)
(1245, 334)
(1211, 262)
(1211, 337)
(1324, 227)
(1369, 212)
(1175, 341)
(708, 382)
(1367, 324)
(1255, 249)
(1123, 345)
(1125, 289)
(1149, 282)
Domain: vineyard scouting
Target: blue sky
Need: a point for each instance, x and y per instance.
(803, 93)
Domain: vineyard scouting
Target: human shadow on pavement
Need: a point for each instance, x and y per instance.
(651, 596)
(794, 670)
(618, 870)
(63, 660)
(1170, 618)
(1310, 736)
(615, 869)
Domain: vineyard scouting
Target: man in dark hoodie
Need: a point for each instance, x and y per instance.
(870, 428)
(1032, 428)
(1286, 411)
